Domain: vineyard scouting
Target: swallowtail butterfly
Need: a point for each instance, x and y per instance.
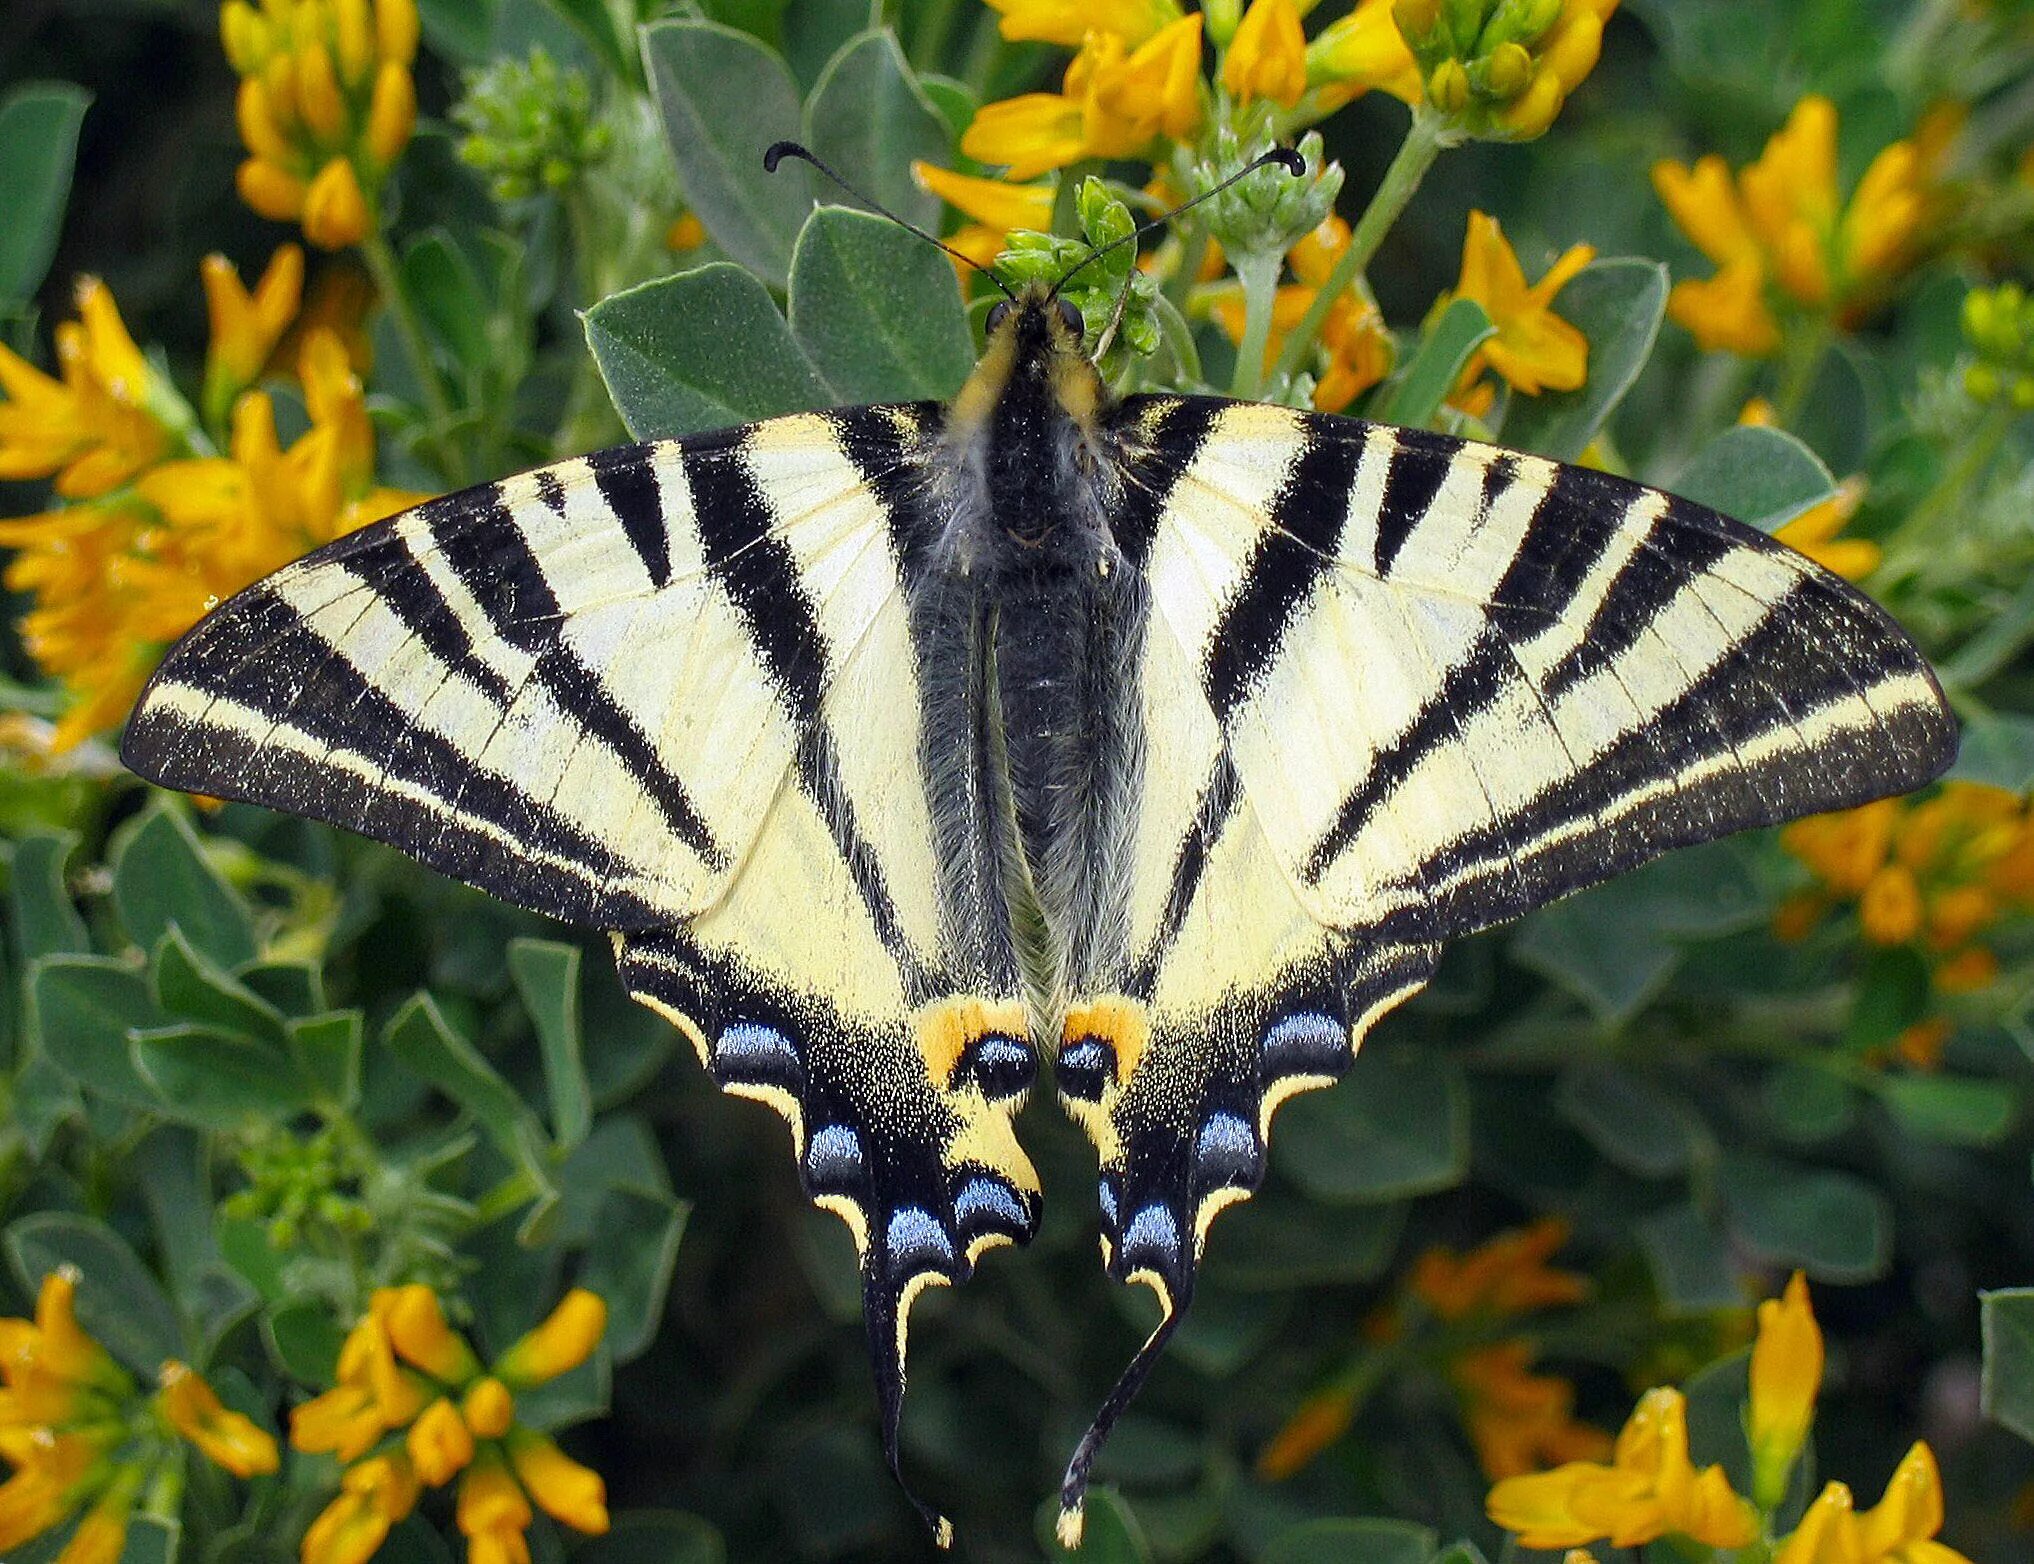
(1161, 742)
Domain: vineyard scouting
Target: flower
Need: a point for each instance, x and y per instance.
(1361, 51)
(1814, 533)
(1650, 1490)
(1115, 101)
(1321, 1420)
(326, 106)
(1786, 1375)
(1519, 1421)
(1780, 235)
(1355, 347)
(997, 207)
(1505, 1275)
(246, 326)
(1498, 68)
(1267, 58)
(1069, 22)
(404, 1367)
(1899, 1529)
(227, 1439)
(1534, 349)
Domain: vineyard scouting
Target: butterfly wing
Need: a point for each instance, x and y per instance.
(1395, 688)
(676, 691)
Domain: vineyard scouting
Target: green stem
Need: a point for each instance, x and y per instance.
(1805, 351)
(381, 265)
(1424, 140)
(1193, 251)
(1259, 275)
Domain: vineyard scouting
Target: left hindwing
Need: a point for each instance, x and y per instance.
(1397, 687)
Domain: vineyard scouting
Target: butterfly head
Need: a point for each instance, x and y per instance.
(1034, 369)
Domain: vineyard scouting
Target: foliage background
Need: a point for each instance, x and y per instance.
(1705, 1106)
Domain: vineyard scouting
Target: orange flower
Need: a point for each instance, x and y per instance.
(1503, 1276)
(1518, 1421)
(227, 1439)
(1534, 349)
(1814, 533)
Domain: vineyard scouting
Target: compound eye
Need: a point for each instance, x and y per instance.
(1071, 317)
(998, 313)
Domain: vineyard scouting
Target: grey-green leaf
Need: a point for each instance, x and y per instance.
(421, 1038)
(546, 974)
(81, 1010)
(217, 1079)
(2008, 1388)
(701, 350)
(1463, 327)
(162, 877)
(869, 118)
(1346, 1541)
(1763, 477)
(1618, 305)
(878, 312)
(45, 921)
(118, 1301)
(39, 123)
(1834, 1226)
(725, 97)
(1396, 1125)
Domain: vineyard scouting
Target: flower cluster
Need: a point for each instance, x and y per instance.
(1998, 324)
(152, 525)
(1783, 238)
(1935, 874)
(82, 1438)
(403, 1371)
(1459, 1313)
(1651, 1487)
(1534, 349)
(1502, 68)
(326, 107)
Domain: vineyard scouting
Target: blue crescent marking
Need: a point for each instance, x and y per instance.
(834, 1153)
(991, 1195)
(1152, 1228)
(913, 1231)
(1109, 1201)
(1226, 1144)
(751, 1042)
(1308, 1034)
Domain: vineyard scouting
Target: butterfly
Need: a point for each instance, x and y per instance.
(1162, 741)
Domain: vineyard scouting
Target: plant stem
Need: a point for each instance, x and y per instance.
(437, 405)
(1805, 352)
(1424, 140)
(1259, 275)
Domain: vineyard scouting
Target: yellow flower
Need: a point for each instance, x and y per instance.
(571, 1494)
(1899, 1529)
(1069, 22)
(439, 1443)
(41, 1492)
(1114, 103)
(1534, 349)
(1519, 1421)
(101, 1537)
(246, 326)
(374, 1395)
(1503, 73)
(557, 1346)
(1786, 1375)
(488, 1408)
(1361, 51)
(96, 428)
(1650, 1490)
(1268, 56)
(493, 1512)
(227, 1439)
(997, 207)
(1356, 348)
(1780, 233)
(1320, 1421)
(326, 106)
(374, 1495)
(420, 1336)
(1814, 533)
(1507, 1275)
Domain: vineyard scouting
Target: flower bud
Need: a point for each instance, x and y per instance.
(318, 94)
(439, 1443)
(1448, 87)
(395, 25)
(569, 1493)
(353, 28)
(560, 1344)
(336, 213)
(489, 1409)
(391, 114)
(1508, 70)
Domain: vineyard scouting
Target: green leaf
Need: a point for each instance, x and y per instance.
(1110, 1535)
(1618, 305)
(2007, 1392)
(1833, 1226)
(1762, 477)
(440, 282)
(1892, 993)
(1632, 1122)
(296, 988)
(724, 98)
(152, 1539)
(700, 350)
(161, 877)
(1615, 946)
(877, 312)
(329, 1048)
(189, 986)
(45, 919)
(217, 1079)
(1806, 1104)
(1998, 748)
(1351, 1542)
(81, 1010)
(39, 123)
(1690, 1261)
(869, 118)
(420, 1037)
(594, 20)
(1396, 1125)
(1462, 329)
(654, 1537)
(1958, 1110)
(1277, 1242)
(118, 1301)
(635, 1245)
(304, 1340)
(546, 974)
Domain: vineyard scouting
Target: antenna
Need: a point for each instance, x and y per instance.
(1285, 157)
(780, 150)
